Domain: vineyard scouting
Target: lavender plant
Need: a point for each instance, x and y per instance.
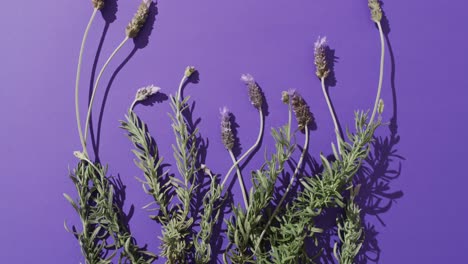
(212, 202)
(246, 226)
(268, 228)
(148, 159)
(350, 231)
(104, 233)
(304, 119)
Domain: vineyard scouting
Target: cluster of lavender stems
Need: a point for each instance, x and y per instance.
(295, 102)
(256, 98)
(132, 31)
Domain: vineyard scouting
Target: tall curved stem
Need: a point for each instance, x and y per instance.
(382, 58)
(332, 113)
(96, 85)
(77, 82)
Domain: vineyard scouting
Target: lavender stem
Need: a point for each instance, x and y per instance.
(77, 82)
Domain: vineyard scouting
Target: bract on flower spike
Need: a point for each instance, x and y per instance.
(320, 46)
(287, 95)
(376, 10)
(98, 4)
(301, 111)
(138, 20)
(255, 95)
(226, 131)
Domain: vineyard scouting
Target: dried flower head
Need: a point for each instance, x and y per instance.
(189, 71)
(226, 131)
(205, 169)
(138, 20)
(376, 10)
(301, 111)
(98, 4)
(255, 94)
(80, 155)
(286, 95)
(320, 47)
(145, 92)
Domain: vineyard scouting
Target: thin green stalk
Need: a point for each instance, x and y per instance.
(382, 57)
(241, 180)
(335, 122)
(133, 105)
(96, 85)
(291, 182)
(254, 146)
(181, 84)
(77, 82)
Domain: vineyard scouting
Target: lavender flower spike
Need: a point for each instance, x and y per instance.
(301, 111)
(376, 10)
(226, 131)
(255, 94)
(98, 4)
(145, 92)
(320, 47)
(138, 20)
(247, 78)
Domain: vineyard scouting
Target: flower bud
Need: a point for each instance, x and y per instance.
(98, 4)
(380, 108)
(320, 62)
(138, 20)
(145, 92)
(376, 10)
(226, 132)
(255, 94)
(205, 169)
(189, 71)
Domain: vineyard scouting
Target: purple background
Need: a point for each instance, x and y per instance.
(425, 221)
